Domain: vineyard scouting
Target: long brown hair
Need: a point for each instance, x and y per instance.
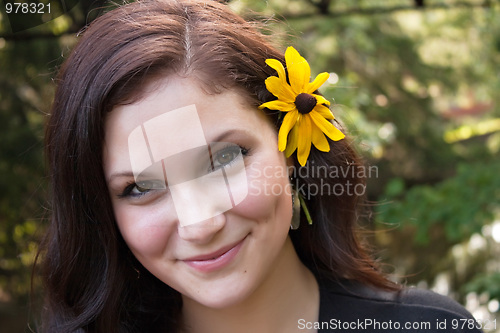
(93, 282)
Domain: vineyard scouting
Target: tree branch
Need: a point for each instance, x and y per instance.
(25, 36)
(392, 9)
(322, 5)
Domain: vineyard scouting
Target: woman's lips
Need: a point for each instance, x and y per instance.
(210, 262)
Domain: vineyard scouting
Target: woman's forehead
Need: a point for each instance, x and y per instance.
(176, 105)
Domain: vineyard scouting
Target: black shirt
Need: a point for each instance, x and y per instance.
(351, 307)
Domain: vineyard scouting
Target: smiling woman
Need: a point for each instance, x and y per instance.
(167, 117)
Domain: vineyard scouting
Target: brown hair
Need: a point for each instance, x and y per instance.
(91, 284)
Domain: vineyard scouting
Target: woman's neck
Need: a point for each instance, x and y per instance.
(288, 294)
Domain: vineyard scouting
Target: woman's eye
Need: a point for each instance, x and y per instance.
(138, 189)
(141, 188)
(226, 156)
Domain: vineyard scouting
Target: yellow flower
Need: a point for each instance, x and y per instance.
(307, 118)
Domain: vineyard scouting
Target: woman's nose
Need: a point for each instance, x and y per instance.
(202, 232)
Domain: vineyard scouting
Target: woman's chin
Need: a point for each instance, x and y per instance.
(222, 297)
(217, 301)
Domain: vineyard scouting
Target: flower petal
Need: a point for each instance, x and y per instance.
(321, 99)
(323, 111)
(298, 69)
(318, 82)
(278, 67)
(293, 139)
(318, 139)
(288, 122)
(279, 89)
(327, 127)
(278, 105)
(304, 144)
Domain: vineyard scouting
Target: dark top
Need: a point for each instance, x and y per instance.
(351, 307)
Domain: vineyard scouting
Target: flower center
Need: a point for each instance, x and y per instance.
(305, 103)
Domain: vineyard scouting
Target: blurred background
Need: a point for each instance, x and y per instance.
(414, 82)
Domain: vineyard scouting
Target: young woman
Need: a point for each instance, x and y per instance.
(181, 149)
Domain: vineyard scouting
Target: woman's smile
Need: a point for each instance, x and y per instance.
(210, 262)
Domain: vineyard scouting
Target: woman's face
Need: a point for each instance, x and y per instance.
(199, 189)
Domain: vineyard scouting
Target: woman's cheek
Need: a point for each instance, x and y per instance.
(146, 231)
(267, 192)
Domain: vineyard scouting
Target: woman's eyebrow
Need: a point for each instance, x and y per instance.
(130, 174)
(229, 133)
(120, 174)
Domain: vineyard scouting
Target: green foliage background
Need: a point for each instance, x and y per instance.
(417, 89)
